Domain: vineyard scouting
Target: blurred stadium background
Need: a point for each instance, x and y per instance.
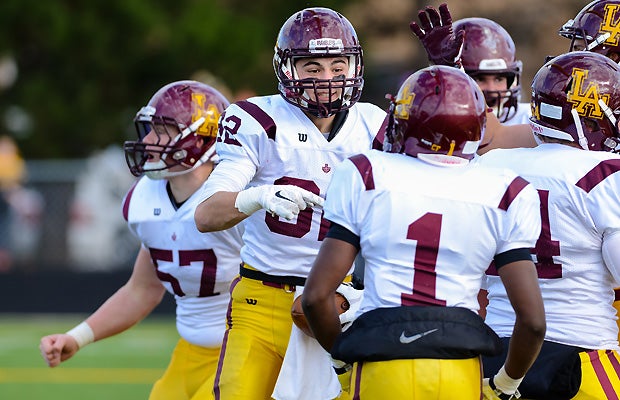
(73, 74)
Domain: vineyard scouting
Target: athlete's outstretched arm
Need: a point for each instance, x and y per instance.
(498, 136)
(129, 305)
(218, 212)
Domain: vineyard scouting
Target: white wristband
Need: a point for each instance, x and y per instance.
(505, 383)
(83, 334)
(247, 200)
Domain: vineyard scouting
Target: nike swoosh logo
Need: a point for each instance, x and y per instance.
(404, 339)
(278, 194)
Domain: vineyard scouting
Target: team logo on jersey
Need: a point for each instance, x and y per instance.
(174, 236)
(156, 211)
(210, 113)
(303, 137)
(611, 24)
(585, 99)
(326, 168)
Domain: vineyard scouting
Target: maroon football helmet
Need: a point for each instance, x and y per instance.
(489, 49)
(439, 114)
(179, 113)
(595, 28)
(576, 97)
(318, 32)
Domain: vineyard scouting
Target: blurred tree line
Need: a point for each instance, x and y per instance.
(85, 67)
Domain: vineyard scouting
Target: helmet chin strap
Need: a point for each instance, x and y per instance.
(583, 142)
(598, 40)
(160, 168)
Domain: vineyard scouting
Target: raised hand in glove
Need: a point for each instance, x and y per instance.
(435, 32)
(283, 200)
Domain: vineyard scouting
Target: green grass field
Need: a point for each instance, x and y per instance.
(121, 368)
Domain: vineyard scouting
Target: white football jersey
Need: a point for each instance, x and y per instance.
(195, 267)
(522, 115)
(280, 145)
(579, 205)
(428, 232)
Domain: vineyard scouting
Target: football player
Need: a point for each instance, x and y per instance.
(486, 52)
(277, 155)
(576, 105)
(174, 156)
(488, 56)
(595, 28)
(428, 223)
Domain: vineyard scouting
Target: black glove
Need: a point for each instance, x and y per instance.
(435, 32)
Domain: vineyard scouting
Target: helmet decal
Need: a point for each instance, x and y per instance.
(210, 113)
(585, 100)
(611, 24)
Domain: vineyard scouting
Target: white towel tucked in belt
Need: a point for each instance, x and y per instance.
(307, 372)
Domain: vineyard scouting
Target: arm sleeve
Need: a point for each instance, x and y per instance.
(341, 198)
(611, 254)
(522, 225)
(340, 232)
(511, 256)
(228, 176)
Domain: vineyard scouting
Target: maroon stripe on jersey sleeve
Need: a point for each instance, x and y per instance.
(598, 174)
(515, 187)
(260, 116)
(377, 142)
(365, 169)
(126, 201)
(617, 292)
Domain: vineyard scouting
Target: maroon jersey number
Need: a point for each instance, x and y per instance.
(186, 257)
(304, 219)
(426, 231)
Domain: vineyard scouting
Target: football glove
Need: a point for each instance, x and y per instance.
(283, 200)
(354, 297)
(435, 32)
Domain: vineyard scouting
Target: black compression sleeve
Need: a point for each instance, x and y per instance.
(511, 256)
(340, 232)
